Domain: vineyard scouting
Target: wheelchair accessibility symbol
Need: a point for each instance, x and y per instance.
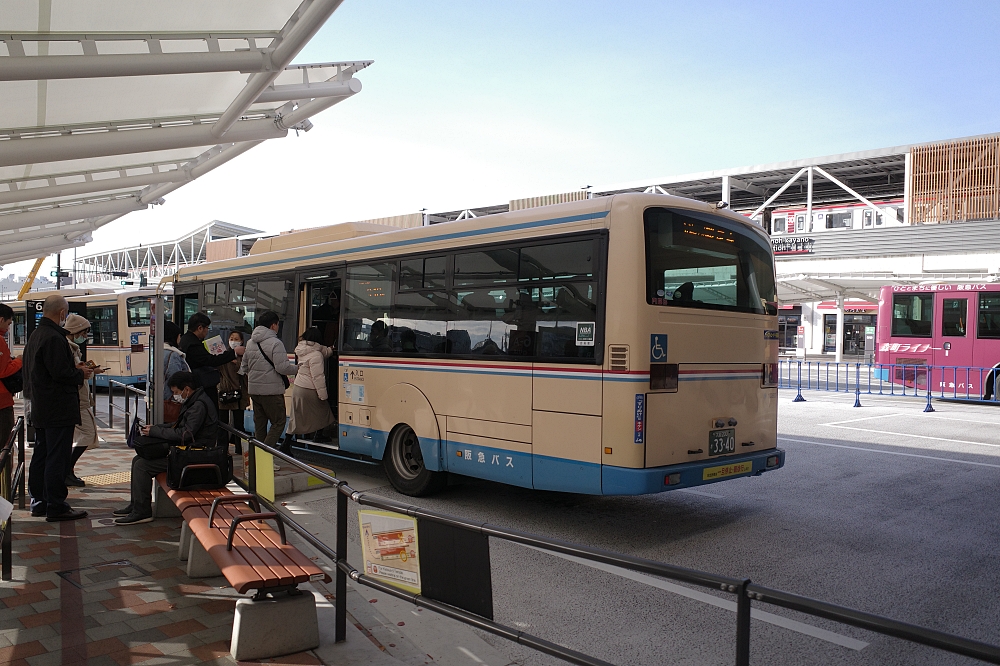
(658, 348)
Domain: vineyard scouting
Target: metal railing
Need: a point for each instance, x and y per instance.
(136, 394)
(11, 486)
(953, 382)
(746, 591)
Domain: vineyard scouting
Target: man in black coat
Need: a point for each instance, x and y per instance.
(51, 383)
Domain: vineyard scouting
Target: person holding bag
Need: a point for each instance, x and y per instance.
(197, 426)
(234, 396)
(266, 365)
(311, 412)
(85, 435)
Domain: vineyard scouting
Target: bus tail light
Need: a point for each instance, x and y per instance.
(772, 461)
(769, 376)
(671, 479)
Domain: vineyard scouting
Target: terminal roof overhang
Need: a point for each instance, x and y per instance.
(800, 288)
(105, 108)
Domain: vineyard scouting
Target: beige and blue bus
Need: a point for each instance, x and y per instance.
(620, 345)
(119, 329)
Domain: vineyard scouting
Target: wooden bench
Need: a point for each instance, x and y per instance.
(227, 534)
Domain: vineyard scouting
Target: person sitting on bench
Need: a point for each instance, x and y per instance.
(196, 425)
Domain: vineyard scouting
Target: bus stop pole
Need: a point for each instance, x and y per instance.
(154, 401)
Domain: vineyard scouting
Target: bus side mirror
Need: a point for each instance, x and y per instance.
(947, 346)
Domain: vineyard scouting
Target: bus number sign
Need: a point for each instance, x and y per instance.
(640, 418)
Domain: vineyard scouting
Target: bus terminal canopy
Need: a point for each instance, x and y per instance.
(799, 287)
(106, 107)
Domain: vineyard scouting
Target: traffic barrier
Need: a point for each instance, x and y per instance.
(928, 382)
(745, 590)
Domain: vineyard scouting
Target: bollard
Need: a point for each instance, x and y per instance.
(857, 385)
(929, 407)
(798, 395)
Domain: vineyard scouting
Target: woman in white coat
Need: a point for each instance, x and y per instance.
(311, 412)
(85, 434)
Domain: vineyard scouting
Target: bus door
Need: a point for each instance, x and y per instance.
(319, 306)
(953, 341)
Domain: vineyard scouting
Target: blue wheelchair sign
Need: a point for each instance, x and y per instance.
(658, 348)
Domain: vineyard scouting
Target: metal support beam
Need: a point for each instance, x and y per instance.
(809, 200)
(839, 346)
(778, 193)
(725, 190)
(31, 248)
(62, 229)
(102, 144)
(746, 187)
(888, 212)
(306, 22)
(37, 218)
(310, 91)
(92, 186)
(201, 165)
(42, 67)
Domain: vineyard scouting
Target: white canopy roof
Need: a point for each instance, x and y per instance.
(108, 105)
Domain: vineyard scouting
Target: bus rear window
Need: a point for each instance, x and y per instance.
(912, 315)
(989, 316)
(139, 311)
(697, 260)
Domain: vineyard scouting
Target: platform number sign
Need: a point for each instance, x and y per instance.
(658, 348)
(640, 418)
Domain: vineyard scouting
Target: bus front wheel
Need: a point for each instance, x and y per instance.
(404, 465)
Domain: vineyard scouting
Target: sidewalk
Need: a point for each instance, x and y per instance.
(89, 592)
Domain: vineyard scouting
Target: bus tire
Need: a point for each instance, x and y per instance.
(404, 465)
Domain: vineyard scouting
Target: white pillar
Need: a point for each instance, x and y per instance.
(840, 328)
(809, 200)
(725, 190)
(907, 187)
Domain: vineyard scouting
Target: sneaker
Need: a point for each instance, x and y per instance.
(134, 519)
(122, 512)
(72, 480)
(72, 514)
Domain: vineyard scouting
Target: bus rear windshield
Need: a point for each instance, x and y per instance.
(698, 260)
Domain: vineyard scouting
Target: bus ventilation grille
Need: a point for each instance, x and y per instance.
(619, 358)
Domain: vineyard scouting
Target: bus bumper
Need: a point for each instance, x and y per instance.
(629, 481)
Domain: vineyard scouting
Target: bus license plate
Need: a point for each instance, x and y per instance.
(721, 442)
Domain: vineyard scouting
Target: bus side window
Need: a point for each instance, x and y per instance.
(955, 317)
(366, 315)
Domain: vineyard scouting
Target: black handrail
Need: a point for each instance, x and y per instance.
(128, 388)
(745, 591)
(11, 484)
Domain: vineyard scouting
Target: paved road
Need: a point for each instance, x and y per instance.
(882, 508)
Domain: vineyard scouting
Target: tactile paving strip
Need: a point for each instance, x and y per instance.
(108, 479)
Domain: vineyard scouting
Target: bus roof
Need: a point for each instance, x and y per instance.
(361, 240)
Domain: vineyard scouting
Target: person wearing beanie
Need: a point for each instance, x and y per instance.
(85, 434)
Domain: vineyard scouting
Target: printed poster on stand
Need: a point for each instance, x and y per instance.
(389, 548)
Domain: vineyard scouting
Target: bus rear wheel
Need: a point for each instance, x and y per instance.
(404, 465)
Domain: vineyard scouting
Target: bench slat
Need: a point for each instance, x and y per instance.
(242, 567)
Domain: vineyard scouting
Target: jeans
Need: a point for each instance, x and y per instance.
(268, 408)
(143, 472)
(47, 472)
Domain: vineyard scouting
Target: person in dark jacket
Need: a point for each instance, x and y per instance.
(204, 364)
(198, 424)
(52, 382)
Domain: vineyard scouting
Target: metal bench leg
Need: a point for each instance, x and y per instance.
(274, 626)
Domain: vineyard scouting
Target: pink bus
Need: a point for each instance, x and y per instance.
(953, 326)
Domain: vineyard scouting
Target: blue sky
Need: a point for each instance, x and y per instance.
(473, 103)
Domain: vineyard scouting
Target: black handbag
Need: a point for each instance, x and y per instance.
(230, 398)
(151, 448)
(191, 468)
(13, 383)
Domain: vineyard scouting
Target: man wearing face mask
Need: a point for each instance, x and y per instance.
(197, 425)
(52, 383)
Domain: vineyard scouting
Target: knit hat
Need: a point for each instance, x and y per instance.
(75, 323)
